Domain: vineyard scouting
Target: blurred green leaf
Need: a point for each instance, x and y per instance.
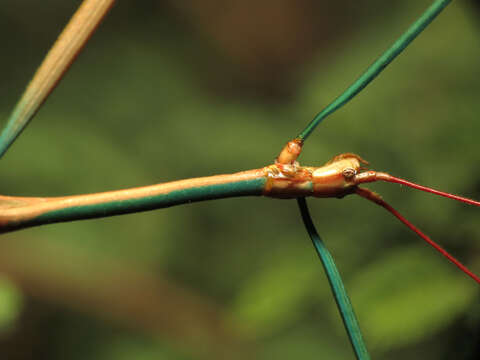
(126, 348)
(408, 295)
(306, 341)
(270, 300)
(11, 304)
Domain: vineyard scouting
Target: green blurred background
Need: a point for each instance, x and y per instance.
(175, 89)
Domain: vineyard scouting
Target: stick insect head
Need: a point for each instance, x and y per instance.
(337, 177)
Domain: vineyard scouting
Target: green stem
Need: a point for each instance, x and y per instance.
(343, 302)
(376, 68)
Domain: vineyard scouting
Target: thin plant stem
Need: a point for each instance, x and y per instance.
(338, 289)
(58, 60)
(376, 68)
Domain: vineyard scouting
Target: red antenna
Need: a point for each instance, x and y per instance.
(393, 179)
(371, 176)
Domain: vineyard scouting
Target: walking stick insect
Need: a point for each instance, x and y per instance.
(284, 179)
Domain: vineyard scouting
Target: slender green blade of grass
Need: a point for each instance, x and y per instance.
(376, 68)
(62, 54)
(343, 302)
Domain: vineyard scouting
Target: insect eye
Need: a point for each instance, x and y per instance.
(349, 172)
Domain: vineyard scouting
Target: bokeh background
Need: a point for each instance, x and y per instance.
(175, 89)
